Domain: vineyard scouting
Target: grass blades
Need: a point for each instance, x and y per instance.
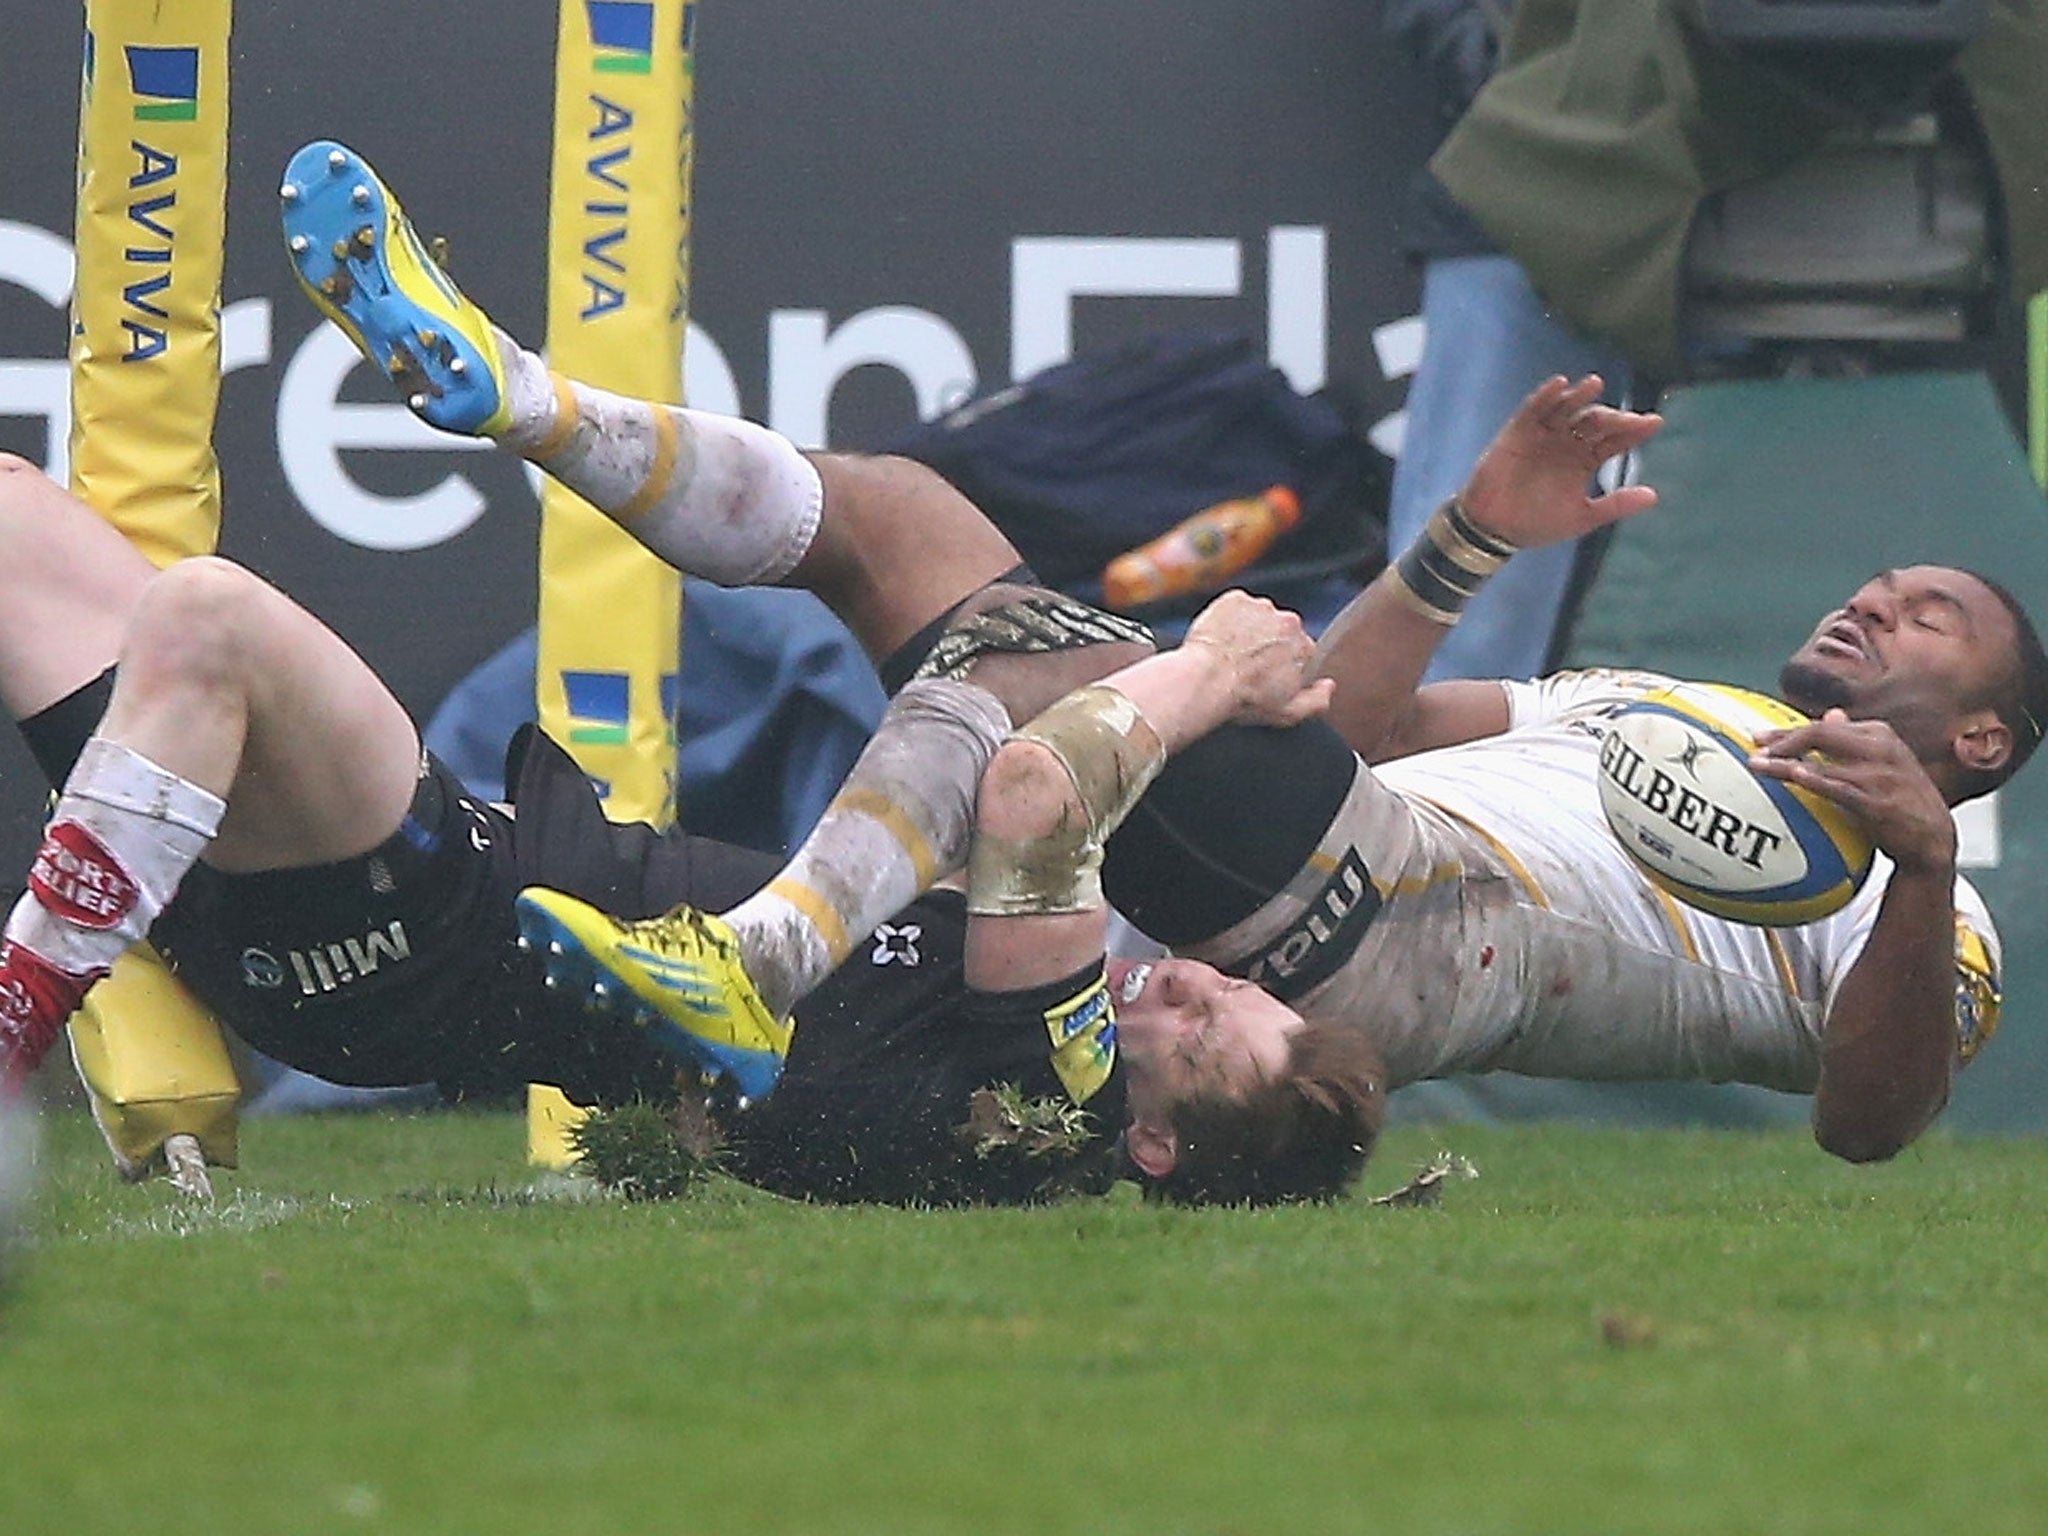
(390, 1324)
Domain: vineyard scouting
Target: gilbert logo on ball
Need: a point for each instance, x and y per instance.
(1678, 792)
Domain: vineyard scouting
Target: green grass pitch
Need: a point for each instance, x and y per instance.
(387, 1324)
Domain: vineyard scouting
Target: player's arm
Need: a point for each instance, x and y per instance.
(1060, 785)
(1528, 489)
(1889, 1043)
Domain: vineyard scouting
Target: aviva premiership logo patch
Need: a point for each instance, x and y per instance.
(621, 37)
(166, 84)
(1083, 1035)
(598, 707)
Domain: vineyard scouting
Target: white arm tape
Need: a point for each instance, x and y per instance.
(1110, 753)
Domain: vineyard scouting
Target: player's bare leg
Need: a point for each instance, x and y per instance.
(227, 691)
(68, 583)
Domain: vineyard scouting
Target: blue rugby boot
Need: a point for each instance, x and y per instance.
(679, 976)
(363, 267)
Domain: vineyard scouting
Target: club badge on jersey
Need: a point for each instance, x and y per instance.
(1977, 992)
(1083, 1034)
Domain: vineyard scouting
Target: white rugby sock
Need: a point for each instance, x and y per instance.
(901, 821)
(123, 835)
(715, 496)
(530, 398)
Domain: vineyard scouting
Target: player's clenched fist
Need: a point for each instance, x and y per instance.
(1268, 652)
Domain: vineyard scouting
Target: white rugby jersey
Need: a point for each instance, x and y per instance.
(1514, 934)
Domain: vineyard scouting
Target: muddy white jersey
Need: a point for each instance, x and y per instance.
(1487, 919)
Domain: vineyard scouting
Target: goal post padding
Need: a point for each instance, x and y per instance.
(617, 312)
(145, 386)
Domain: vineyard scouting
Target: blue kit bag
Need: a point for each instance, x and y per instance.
(1099, 455)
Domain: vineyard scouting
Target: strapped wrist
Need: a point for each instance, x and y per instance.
(1448, 563)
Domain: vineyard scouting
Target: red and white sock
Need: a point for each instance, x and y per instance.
(123, 835)
(35, 1001)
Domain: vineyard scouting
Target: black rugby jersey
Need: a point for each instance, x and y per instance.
(887, 1056)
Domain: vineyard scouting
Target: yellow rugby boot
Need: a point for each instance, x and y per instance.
(359, 261)
(679, 976)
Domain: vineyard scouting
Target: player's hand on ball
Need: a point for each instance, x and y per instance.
(1865, 768)
(1530, 485)
(1268, 653)
(1677, 788)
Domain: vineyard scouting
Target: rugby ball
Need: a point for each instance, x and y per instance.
(1678, 792)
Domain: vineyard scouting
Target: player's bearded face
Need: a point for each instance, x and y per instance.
(1914, 648)
(1813, 689)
